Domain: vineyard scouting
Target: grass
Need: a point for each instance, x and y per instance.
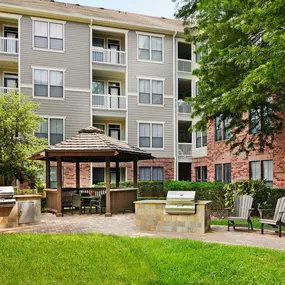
(98, 259)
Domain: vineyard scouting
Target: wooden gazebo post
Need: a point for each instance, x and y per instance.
(48, 174)
(117, 175)
(77, 175)
(135, 173)
(108, 188)
(59, 187)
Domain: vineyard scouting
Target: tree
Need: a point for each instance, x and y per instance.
(18, 122)
(242, 70)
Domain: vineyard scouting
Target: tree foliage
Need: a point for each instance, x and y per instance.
(243, 67)
(18, 121)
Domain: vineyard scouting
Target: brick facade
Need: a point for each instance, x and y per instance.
(219, 153)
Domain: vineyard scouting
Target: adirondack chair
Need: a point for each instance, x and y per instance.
(241, 212)
(278, 219)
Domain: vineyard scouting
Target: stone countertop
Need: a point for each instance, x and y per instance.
(28, 196)
(164, 202)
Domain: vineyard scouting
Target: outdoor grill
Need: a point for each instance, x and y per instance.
(180, 202)
(7, 198)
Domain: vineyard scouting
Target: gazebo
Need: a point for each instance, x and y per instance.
(90, 145)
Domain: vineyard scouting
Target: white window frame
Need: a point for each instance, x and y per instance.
(202, 141)
(48, 70)
(49, 21)
(150, 79)
(151, 123)
(150, 35)
(48, 118)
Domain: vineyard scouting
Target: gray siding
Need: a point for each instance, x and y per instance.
(155, 114)
(151, 113)
(76, 61)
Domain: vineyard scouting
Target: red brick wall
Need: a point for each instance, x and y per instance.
(219, 153)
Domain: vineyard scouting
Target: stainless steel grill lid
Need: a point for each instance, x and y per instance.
(7, 198)
(180, 202)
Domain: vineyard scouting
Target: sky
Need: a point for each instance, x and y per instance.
(160, 8)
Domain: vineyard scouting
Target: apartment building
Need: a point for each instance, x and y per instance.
(126, 74)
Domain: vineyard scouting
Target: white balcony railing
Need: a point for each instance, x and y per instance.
(109, 56)
(185, 149)
(9, 45)
(8, 90)
(184, 107)
(109, 102)
(184, 65)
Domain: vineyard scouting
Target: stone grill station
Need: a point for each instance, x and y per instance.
(180, 213)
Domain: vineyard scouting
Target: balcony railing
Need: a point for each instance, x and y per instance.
(109, 56)
(9, 45)
(184, 65)
(184, 107)
(109, 102)
(185, 149)
(8, 89)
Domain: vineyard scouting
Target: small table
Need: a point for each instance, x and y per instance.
(86, 201)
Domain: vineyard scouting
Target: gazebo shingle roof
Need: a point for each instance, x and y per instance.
(91, 144)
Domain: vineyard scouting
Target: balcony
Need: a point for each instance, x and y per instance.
(108, 56)
(109, 102)
(8, 90)
(184, 65)
(9, 45)
(184, 107)
(185, 149)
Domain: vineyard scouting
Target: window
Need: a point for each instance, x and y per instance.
(199, 54)
(201, 174)
(99, 126)
(222, 128)
(201, 139)
(262, 170)
(219, 123)
(157, 174)
(255, 170)
(52, 130)
(145, 173)
(151, 173)
(219, 172)
(227, 173)
(260, 120)
(150, 135)
(48, 83)
(115, 131)
(48, 35)
(53, 177)
(150, 91)
(223, 172)
(196, 89)
(150, 48)
(98, 175)
(267, 172)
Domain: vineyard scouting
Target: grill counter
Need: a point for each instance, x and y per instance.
(7, 198)
(180, 202)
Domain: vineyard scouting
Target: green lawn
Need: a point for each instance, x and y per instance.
(98, 259)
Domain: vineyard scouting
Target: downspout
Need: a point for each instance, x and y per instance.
(90, 86)
(175, 118)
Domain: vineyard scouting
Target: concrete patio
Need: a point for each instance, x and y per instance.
(125, 225)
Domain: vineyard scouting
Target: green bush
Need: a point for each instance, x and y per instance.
(125, 184)
(150, 198)
(256, 189)
(213, 191)
(154, 188)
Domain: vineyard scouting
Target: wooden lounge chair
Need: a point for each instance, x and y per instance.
(241, 212)
(278, 219)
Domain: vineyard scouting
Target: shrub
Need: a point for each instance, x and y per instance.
(256, 189)
(213, 191)
(155, 188)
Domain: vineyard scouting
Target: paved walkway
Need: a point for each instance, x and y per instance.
(125, 225)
